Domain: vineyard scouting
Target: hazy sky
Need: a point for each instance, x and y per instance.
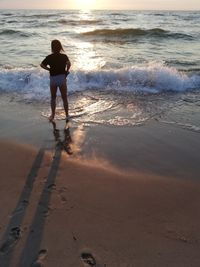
(103, 4)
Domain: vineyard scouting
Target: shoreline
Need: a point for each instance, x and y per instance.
(154, 147)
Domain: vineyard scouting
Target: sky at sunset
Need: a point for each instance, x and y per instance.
(102, 4)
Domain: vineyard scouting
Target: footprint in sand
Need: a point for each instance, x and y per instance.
(14, 236)
(88, 259)
(51, 186)
(61, 193)
(41, 256)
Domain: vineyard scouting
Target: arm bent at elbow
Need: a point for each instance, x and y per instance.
(44, 67)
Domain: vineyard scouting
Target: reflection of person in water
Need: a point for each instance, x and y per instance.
(58, 64)
(65, 144)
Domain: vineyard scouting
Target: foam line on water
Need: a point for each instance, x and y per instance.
(154, 78)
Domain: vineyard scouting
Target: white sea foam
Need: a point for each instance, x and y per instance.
(33, 83)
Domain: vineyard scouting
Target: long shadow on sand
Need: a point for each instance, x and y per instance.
(31, 254)
(13, 231)
(32, 250)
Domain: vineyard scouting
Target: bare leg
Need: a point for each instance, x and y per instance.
(53, 90)
(63, 91)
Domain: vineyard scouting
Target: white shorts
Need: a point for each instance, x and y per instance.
(58, 80)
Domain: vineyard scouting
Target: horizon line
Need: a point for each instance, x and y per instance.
(100, 9)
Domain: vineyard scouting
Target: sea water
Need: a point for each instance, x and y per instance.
(128, 67)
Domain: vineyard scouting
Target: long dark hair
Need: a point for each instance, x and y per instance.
(56, 46)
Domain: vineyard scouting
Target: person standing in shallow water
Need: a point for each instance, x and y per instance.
(58, 64)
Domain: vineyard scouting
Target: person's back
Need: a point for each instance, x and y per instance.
(57, 63)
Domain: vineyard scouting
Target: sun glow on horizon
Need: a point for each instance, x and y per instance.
(85, 4)
(102, 4)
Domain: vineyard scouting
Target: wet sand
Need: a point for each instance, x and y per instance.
(127, 197)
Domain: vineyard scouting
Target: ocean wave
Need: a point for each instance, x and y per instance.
(7, 14)
(40, 16)
(158, 14)
(14, 32)
(118, 14)
(12, 21)
(156, 78)
(129, 33)
(78, 22)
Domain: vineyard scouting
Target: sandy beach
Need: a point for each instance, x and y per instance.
(127, 196)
